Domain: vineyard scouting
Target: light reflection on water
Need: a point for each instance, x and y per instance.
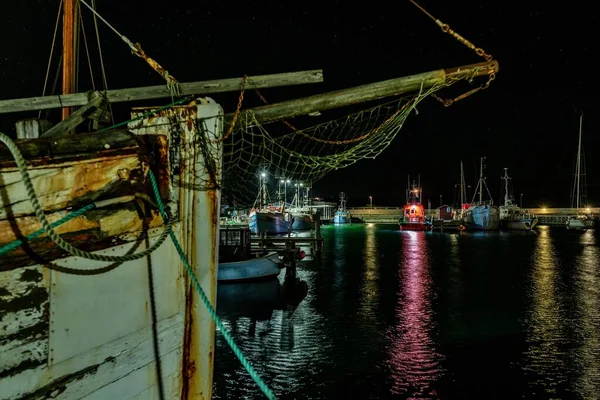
(545, 318)
(414, 360)
(392, 314)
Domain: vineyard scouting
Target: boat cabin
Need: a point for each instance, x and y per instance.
(234, 244)
(414, 213)
(445, 212)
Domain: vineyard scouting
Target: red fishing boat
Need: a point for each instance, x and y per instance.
(413, 218)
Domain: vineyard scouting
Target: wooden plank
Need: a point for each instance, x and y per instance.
(48, 150)
(75, 119)
(157, 92)
(361, 94)
(102, 367)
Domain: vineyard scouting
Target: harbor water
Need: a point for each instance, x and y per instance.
(389, 314)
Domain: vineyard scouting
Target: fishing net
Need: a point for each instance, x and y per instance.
(281, 150)
(304, 155)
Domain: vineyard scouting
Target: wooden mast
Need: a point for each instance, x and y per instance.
(69, 55)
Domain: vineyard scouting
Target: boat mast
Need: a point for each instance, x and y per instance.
(578, 169)
(463, 191)
(70, 16)
(481, 181)
(419, 188)
(505, 178)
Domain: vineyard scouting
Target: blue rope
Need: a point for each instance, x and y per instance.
(13, 245)
(226, 335)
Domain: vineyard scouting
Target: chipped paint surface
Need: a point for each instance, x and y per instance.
(90, 337)
(61, 186)
(24, 304)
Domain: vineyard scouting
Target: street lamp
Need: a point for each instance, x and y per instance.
(441, 204)
(521, 200)
(371, 201)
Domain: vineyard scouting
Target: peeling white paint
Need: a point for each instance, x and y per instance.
(100, 335)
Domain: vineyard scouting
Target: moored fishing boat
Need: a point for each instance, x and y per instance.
(482, 215)
(266, 218)
(413, 216)
(238, 263)
(512, 217)
(342, 216)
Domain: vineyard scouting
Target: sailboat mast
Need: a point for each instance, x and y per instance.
(578, 170)
(462, 185)
(481, 182)
(70, 16)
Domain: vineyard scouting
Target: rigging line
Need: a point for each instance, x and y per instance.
(172, 83)
(123, 37)
(51, 52)
(103, 69)
(87, 50)
(424, 11)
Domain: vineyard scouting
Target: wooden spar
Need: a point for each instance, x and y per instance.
(156, 92)
(364, 93)
(69, 55)
(73, 120)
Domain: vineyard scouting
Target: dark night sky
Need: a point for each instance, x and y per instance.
(526, 121)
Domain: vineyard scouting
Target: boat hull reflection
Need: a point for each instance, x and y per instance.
(258, 300)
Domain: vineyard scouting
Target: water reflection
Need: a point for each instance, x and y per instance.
(587, 355)
(545, 330)
(456, 289)
(263, 318)
(414, 360)
(257, 300)
(369, 284)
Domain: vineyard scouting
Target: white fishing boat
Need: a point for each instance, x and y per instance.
(238, 263)
(482, 215)
(342, 216)
(512, 216)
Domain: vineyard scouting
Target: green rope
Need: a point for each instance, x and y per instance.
(183, 100)
(226, 335)
(39, 213)
(13, 245)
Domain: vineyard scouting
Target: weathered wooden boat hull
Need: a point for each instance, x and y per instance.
(482, 217)
(263, 267)
(66, 335)
(268, 222)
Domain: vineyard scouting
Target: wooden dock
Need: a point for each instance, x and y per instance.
(446, 225)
